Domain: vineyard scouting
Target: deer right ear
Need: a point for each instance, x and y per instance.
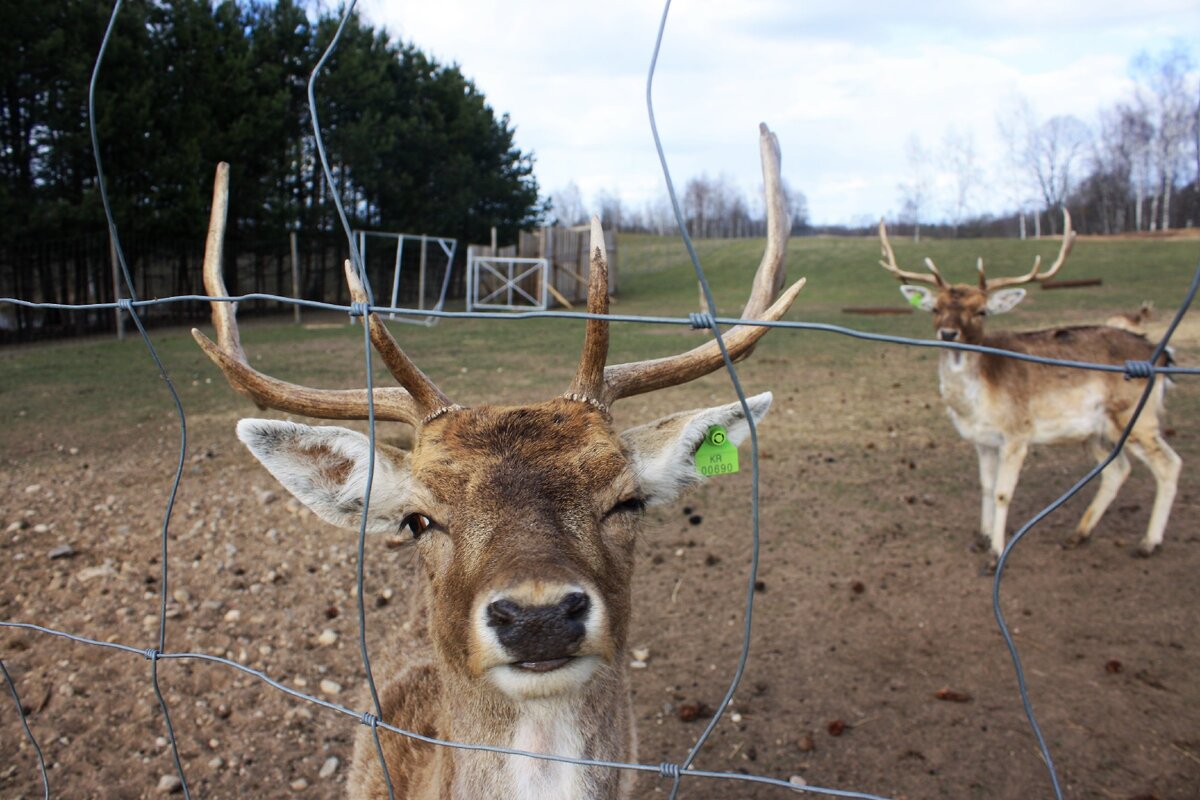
(918, 297)
(326, 469)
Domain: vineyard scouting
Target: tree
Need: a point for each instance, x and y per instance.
(566, 206)
(1167, 97)
(1047, 154)
(914, 192)
(958, 158)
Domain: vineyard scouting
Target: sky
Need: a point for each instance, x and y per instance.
(845, 85)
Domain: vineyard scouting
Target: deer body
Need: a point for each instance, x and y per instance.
(523, 520)
(1003, 405)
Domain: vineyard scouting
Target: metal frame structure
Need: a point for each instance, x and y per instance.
(449, 247)
(505, 268)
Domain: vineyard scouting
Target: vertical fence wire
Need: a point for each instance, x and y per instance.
(675, 772)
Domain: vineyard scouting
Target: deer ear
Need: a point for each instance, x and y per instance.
(326, 469)
(1003, 300)
(918, 297)
(664, 451)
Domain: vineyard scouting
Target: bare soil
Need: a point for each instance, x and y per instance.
(876, 663)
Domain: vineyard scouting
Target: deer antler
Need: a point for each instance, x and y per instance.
(889, 263)
(595, 382)
(1068, 241)
(418, 399)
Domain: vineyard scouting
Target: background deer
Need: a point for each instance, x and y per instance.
(524, 520)
(1002, 405)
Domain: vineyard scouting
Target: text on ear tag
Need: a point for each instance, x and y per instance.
(717, 455)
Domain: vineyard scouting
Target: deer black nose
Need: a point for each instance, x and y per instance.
(540, 633)
(947, 334)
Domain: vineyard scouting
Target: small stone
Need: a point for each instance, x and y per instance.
(637, 664)
(169, 784)
(299, 785)
(806, 743)
(328, 768)
(41, 527)
(233, 615)
(735, 717)
(62, 551)
(91, 573)
(641, 653)
(327, 637)
(797, 780)
(330, 687)
(215, 762)
(33, 488)
(182, 596)
(19, 525)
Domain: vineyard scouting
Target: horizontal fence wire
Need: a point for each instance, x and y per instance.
(676, 772)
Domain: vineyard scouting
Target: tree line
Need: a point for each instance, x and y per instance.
(1136, 168)
(711, 208)
(413, 144)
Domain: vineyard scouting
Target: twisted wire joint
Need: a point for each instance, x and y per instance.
(1138, 369)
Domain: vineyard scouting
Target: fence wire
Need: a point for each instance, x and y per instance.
(675, 772)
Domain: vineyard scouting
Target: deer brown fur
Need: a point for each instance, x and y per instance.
(523, 520)
(1004, 405)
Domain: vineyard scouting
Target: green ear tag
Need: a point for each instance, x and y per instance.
(717, 455)
(914, 300)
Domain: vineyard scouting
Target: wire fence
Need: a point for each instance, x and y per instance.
(676, 772)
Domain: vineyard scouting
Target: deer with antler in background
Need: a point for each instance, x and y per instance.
(1003, 405)
(523, 519)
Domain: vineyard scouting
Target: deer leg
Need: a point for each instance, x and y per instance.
(1111, 479)
(1166, 465)
(989, 461)
(1012, 456)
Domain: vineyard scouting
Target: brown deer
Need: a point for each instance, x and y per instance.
(524, 520)
(1003, 405)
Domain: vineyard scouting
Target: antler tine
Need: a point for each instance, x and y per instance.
(1068, 241)
(589, 378)
(624, 380)
(933, 270)
(390, 404)
(982, 275)
(889, 263)
(425, 393)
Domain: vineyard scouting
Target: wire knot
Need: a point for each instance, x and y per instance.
(359, 309)
(369, 719)
(125, 304)
(701, 320)
(1138, 369)
(669, 770)
(151, 654)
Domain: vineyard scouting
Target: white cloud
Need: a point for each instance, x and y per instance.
(844, 85)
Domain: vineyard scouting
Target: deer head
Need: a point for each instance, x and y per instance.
(523, 517)
(959, 309)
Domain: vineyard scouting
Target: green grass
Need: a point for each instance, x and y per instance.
(81, 385)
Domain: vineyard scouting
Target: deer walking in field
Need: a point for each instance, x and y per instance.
(1002, 405)
(524, 520)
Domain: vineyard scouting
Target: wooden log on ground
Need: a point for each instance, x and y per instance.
(1072, 284)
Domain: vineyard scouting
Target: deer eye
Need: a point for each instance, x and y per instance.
(632, 505)
(417, 524)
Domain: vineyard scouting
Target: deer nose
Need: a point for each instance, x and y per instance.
(540, 633)
(947, 334)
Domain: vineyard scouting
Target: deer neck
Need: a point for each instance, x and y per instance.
(593, 722)
(961, 381)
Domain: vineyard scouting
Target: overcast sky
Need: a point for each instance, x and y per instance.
(844, 84)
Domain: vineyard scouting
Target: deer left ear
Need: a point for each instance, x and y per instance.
(664, 451)
(1003, 300)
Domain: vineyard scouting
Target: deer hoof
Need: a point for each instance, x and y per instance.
(980, 544)
(989, 566)
(1075, 540)
(1142, 551)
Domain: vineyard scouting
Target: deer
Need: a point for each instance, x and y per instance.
(524, 521)
(1003, 405)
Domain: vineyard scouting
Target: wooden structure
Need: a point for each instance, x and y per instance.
(566, 250)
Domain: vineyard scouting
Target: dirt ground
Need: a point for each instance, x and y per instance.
(870, 604)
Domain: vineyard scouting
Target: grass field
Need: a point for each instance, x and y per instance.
(871, 600)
